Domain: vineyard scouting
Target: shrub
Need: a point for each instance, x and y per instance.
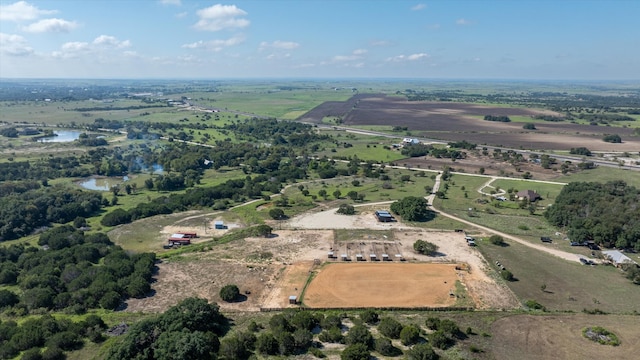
(421, 352)
(229, 293)
(346, 209)
(507, 275)
(612, 138)
(439, 339)
(369, 316)
(410, 335)
(359, 334)
(497, 240)
(277, 214)
(390, 327)
(386, 348)
(600, 335)
(424, 247)
(529, 126)
(534, 305)
(432, 323)
(355, 352)
(333, 335)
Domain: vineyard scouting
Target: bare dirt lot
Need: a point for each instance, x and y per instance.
(382, 284)
(272, 269)
(463, 121)
(560, 337)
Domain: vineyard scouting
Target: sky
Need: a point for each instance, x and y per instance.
(444, 39)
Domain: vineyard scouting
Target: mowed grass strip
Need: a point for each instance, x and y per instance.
(562, 285)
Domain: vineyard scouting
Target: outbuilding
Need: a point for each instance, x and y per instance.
(293, 299)
(219, 225)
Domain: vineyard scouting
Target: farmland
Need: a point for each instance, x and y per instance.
(335, 164)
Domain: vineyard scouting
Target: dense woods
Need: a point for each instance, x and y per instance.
(70, 272)
(604, 213)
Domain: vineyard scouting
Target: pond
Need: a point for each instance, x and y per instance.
(101, 184)
(63, 136)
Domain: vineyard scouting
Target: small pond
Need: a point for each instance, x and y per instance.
(101, 184)
(63, 136)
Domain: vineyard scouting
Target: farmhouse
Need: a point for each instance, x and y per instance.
(383, 216)
(617, 257)
(410, 141)
(528, 195)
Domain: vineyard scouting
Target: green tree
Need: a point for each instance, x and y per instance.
(346, 209)
(496, 240)
(8, 298)
(439, 339)
(369, 316)
(356, 352)
(359, 334)
(385, 347)
(390, 327)
(266, 344)
(409, 335)
(277, 214)
(421, 352)
(529, 126)
(337, 194)
(229, 293)
(424, 247)
(413, 208)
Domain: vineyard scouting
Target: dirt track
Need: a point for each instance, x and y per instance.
(380, 285)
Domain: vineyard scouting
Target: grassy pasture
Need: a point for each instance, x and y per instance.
(569, 286)
(603, 174)
(371, 188)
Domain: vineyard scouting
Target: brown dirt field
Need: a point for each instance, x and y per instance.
(204, 278)
(291, 282)
(560, 337)
(382, 285)
(459, 121)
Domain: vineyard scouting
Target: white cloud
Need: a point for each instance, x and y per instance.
(102, 47)
(14, 45)
(171, 2)
(342, 58)
(412, 57)
(106, 40)
(463, 22)
(380, 43)
(219, 17)
(284, 45)
(214, 45)
(360, 51)
(181, 15)
(21, 11)
(434, 26)
(418, 7)
(50, 25)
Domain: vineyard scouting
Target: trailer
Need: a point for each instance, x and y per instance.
(180, 239)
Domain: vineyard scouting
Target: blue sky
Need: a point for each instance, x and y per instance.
(473, 39)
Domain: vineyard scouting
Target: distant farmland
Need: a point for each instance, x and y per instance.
(464, 121)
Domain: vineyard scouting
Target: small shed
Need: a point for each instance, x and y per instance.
(344, 257)
(359, 257)
(373, 257)
(330, 255)
(530, 195)
(219, 225)
(385, 257)
(399, 257)
(293, 299)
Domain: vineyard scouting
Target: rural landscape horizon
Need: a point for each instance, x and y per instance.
(187, 179)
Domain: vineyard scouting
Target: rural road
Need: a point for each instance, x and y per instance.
(559, 253)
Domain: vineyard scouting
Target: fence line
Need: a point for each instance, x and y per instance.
(389, 308)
